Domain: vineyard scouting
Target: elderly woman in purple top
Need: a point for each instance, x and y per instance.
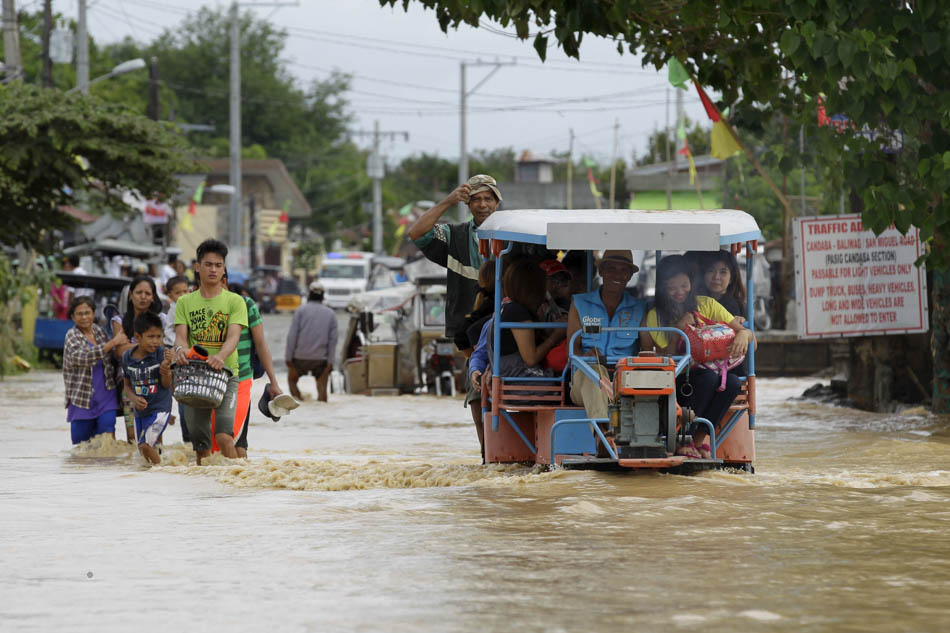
(88, 373)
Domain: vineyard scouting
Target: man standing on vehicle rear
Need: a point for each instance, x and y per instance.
(455, 246)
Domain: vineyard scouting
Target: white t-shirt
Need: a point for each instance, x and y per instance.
(167, 273)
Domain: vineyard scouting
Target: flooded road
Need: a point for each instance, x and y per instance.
(374, 515)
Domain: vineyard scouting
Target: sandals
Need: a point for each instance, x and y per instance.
(689, 451)
(704, 451)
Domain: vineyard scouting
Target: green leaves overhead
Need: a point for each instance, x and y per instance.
(883, 65)
(59, 149)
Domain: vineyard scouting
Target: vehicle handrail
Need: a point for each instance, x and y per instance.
(580, 362)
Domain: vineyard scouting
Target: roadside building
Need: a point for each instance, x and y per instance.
(280, 209)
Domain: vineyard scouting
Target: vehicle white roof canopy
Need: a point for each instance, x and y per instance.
(634, 229)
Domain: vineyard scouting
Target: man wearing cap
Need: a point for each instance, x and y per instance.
(610, 306)
(455, 246)
(311, 343)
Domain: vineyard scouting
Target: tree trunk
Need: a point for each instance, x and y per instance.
(940, 339)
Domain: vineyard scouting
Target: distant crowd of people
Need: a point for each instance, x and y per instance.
(537, 286)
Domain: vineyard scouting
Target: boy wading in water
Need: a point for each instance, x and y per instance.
(213, 318)
(148, 376)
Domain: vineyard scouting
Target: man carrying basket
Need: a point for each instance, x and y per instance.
(212, 318)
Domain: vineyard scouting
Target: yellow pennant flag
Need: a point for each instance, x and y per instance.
(721, 141)
(272, 230)
(692, 168)
(185, 223)
(400, 230)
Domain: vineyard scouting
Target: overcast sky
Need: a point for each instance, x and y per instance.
(406, 74)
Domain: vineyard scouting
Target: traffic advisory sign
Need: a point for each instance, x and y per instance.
(850, 282)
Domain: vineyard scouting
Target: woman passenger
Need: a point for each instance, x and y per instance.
(523, 285)
(676, 303)
(89, 373)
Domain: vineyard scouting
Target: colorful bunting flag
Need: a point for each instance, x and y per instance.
(284, 217)
(681, 131)
(588, 162)
(711, 111)
(286, 207)
(593, 183)
(677, 74)
(272, 229)
(186, 224)
(685, 151)
(406, 210)
(400, 230)
(196, 199)
(722, 144)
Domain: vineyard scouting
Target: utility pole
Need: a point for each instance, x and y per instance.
(377, 194)
(679, 122)
(252, 229)
(376, 170)
(463, 97)
(613, 164)
(47, 33)
(235, 237)
(801, 151)
(570, 172)
(11, 40)
(669, 157)
(82, 51)
(153, 113)
(235, 224)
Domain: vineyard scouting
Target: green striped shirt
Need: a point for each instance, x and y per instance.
(244, 343)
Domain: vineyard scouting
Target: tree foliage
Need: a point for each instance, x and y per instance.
(881, 64)
(60, 148)
(696, 135)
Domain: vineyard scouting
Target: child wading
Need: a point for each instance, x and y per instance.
(148, 378)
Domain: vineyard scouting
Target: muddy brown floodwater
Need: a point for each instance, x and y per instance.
(374, 515)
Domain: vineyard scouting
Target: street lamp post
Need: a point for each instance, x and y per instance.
(121, 69)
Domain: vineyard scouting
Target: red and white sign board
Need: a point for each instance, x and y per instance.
(156, 212)
(850, 282)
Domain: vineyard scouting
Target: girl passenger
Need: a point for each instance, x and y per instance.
(676, 303)
(720, 280)
(523, 285)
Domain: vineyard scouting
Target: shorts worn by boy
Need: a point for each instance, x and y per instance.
(145, 376)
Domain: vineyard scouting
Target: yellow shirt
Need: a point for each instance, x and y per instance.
(706, 306)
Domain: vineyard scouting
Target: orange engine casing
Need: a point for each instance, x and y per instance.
(645, 375)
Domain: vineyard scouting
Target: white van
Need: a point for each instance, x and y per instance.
(344, 275)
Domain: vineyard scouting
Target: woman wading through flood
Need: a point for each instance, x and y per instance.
(89, 373)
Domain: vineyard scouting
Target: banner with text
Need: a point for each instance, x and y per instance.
(850, 282)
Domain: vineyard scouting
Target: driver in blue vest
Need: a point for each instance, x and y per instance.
(610, 306)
